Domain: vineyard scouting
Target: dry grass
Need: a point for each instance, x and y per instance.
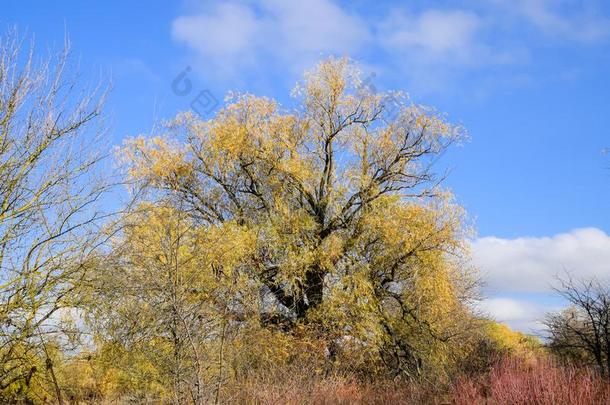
(323, 391)
(510, 381)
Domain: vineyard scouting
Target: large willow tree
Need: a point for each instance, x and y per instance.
(352, 234)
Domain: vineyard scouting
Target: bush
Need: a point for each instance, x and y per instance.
(540, 380)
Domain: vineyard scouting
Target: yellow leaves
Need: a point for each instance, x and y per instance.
(251, 108)
(229, 139)
(289, 238)
(350, 310)
(164, 235)
(155, 159)
(245, 128)
(155, 229)
(327, 82)
(332, 75)
(405, 226)
(503, 339)
(431, 123)
(286, 197)
(260, 349)
(413, 246)
(226, 246)
(116, 369)
(329, 251)
(296, 263)
(296, 167)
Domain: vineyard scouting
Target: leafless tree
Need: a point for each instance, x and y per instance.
(50, 187)
(583, 329)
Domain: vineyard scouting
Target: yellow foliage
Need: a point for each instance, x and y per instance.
(518, 343)
(320, 226)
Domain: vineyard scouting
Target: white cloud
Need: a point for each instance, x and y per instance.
(447, 35)
(519, 272)
(433, 46)
(505, 309)
(316, 26)
(519, 314)
(235, 35)
(563, 19)
(238, 36)
(224, 35)
(430, 47)
(251, 42)
(531, 264)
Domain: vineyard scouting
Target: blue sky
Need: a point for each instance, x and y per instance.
(527, 78)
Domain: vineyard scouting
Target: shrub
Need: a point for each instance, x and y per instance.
(540, 380)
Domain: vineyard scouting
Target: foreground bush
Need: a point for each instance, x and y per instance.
(331, 390)
(536, 381)
(511, 380)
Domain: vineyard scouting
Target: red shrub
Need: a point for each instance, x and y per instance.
(537, 381)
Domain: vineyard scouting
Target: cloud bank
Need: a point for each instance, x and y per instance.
(233, 38)
(521, 272)
(240, 35)
(531, 264)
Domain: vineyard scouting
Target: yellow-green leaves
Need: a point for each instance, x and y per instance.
(330, 211)
(158, 160)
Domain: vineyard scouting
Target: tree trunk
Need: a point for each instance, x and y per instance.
(314, 289)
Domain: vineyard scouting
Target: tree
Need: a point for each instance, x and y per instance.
(353, 234)
(48, 193)
(167, 294)
(582, 331)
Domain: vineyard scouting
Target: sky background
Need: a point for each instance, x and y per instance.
(529, 79)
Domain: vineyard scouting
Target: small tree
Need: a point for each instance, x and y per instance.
(582, 331)
(169, 293)
(47, 195)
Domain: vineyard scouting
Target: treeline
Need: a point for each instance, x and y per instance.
(262, 245)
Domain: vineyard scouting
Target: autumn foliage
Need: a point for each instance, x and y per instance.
(268, 254)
